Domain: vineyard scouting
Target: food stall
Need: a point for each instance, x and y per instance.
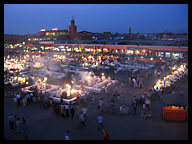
(37, 65)
(93, 83)
(68, 94)
(174, 108)
(171, 79)
(41, 86)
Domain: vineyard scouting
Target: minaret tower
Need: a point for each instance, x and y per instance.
(72, 28)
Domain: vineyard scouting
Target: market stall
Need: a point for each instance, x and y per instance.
(68, 94)
(165, 85)
(174, 113)
(40, 85)
(95, 83)
(174, 108)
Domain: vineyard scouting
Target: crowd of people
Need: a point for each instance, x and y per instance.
(18, 124)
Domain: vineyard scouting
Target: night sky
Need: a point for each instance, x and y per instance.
(143, 18)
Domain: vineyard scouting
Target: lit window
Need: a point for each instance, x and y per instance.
(137, 52)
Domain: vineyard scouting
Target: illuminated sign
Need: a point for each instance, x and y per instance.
(42, 30)
(46, 42)
(55, 29)
(29, 43)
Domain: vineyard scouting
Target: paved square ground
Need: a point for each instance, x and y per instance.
(43, 124)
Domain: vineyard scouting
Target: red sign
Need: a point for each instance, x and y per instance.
(29, 43)
(185, 55)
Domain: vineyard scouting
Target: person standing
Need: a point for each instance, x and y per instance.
(18, 96)
(23, 120)
(57, 110)
(134, 106)
(15, 100)
(140, 83)
(84, 110)
(155, 72)
(135, 82)
(24, 102)
(137, 78)
(100, 122)
(112, 105)
(75, 111)
(130, 81)
(82, 120)
(66, 136)
(158, 74)
(15, 126)
(147, 103)
(31, 97)
(24, 130)
(28, 98)
(106, 135)
(19, 125)
(72, 111)
(67, 110)
(144, 108)
(134, 98)
(101, 103)
(11, 121)
(62, 109)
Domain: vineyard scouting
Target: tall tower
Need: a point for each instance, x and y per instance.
(72, 28)
(129, 30)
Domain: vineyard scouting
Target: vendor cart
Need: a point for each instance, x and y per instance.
(174, 108)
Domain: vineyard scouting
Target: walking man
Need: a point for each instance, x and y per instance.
(11, 121)
(135, 82)
(19, 125)
(134, 106)
(24, 130)
(82, 120)
(66, 137)
(101, 102)
(106, 135)
(158, 74)
(18, 96)
(84, 110)
(67, 110)
(72, 112)
(100, 122)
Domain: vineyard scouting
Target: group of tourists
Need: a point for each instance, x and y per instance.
(136, 81)
(64, 110)
(18, 124)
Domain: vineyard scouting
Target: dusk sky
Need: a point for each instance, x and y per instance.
(144, 18)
